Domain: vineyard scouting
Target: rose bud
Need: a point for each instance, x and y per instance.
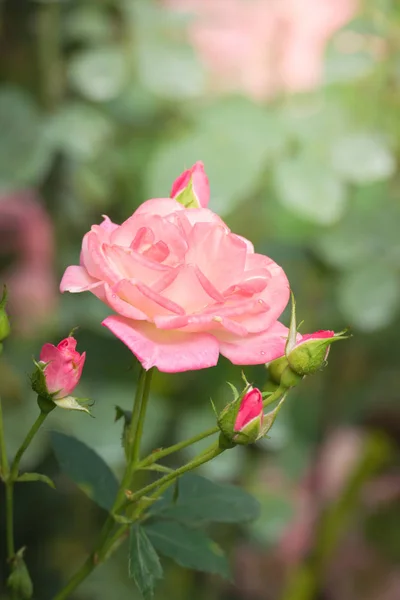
(311, 352)
(191, 188)
(57, 374)
(4, 322)
(304, 354)
(241, 421)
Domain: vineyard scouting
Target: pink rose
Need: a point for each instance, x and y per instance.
(184, 288)
(64, 368)
(200, 188)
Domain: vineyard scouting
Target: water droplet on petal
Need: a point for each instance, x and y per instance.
(262, 352)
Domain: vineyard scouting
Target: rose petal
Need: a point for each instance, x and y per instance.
(255, 349)
(120, 306)
(169, 351)
(77, 279)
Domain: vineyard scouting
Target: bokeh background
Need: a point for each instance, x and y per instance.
(293, 105)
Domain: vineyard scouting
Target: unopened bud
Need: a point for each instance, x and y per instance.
(241, 421)
(311, 352)
(19, 581)
(191, 188)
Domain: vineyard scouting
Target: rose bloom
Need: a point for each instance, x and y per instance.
(184, 287)
(64, 368)
(263, 47)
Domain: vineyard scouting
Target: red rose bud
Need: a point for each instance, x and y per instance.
(311, 352)
(57, 374)
(191, 188)
(241, 421)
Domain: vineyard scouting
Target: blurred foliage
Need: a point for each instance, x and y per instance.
(102, 104)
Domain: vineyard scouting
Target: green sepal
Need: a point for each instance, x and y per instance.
(19, 581)
(187, 197)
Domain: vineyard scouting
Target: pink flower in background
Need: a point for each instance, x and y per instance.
(263, 47)
(200, 186)
(64, 368)
(251, 408)
(184, 287)
(26, 232)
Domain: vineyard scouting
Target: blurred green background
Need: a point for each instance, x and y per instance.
(294, 110)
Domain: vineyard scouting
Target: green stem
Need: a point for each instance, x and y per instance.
(77, 579)
(49, 61)
(141, 418)
(10, 519)
(155, 456)
(193, 464)
(96, 556)
(4, 468)
(30, 435)
(279, 392)
(11, 475)
(136, 411)
(159, 454)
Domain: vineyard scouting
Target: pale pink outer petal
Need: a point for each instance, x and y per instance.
(255, 349)
(108, 225)
(169, 351)
(77, 279)
(159, 206)
(251, 407)
(275, 295)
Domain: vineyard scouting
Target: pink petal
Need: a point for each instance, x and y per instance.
(120, 306)
(129, 264)
(169, 351)
(251, 407)
(108, 225)
(157, 228)
(77, 279)
(192, 323)
(255, 349)
(187, 291)
(146, 300)
(220, 255)
(159, 206)
(318, 335)
(49, 352)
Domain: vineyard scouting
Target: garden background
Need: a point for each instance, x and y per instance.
(293, 106)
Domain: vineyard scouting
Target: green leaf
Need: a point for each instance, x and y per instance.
(362, 158)
(189, 548)
(203, 501)
(25, 154)
(310, 190)
(79, 130)
(98, 74)
(36, 477)
(369, 296)
(91, 474)
(144, 564)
